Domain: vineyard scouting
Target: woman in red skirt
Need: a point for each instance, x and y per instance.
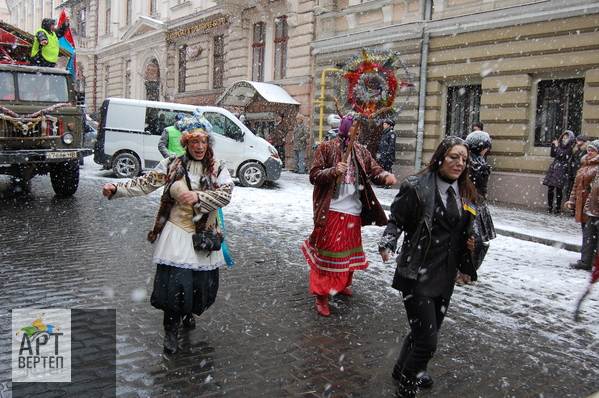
(334, 249)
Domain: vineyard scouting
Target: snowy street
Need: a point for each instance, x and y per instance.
(510, 335)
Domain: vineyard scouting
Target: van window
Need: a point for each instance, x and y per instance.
(224, 126)
(158, 119)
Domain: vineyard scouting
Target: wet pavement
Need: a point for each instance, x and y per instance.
(262, 337)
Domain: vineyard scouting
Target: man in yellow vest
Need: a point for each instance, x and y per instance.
(170, 140)
(44, 51)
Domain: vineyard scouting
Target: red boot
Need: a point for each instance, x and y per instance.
(322, 305)
(346, 292)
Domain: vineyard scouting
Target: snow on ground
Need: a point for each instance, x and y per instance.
(521, 284)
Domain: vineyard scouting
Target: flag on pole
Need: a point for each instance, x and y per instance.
(68, 43)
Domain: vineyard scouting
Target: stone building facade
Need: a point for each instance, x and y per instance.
(528, 69)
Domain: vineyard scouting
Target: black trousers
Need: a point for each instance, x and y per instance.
(425, 315)
(558, 197)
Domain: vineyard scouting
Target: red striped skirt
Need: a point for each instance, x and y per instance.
(336, 249)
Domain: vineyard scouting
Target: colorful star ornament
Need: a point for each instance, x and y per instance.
(369, 85)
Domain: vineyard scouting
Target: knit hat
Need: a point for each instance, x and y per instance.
(594, 145)
(582, 137)
(300, 116)
(345, 124)
(477, 141)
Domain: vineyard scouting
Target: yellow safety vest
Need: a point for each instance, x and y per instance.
(50, 50)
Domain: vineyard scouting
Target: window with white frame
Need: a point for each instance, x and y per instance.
(258, 51)
(281, 39)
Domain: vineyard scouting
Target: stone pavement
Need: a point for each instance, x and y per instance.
(262, 337)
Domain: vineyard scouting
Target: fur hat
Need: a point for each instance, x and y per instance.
(477, 141)
(300, 116)
(594, 145)
(582, 137)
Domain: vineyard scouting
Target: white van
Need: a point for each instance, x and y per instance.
(129, 132)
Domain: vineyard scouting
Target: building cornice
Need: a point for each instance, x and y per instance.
(485, 20)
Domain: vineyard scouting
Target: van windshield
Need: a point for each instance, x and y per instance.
(42, 88)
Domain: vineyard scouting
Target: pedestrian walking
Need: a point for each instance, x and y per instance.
(343, 201)
(479, 145)
(301, 134)
(584, 200)
(45, 48)
(196, 185)
(561, 150)
(435, 210)
(170, 139)
(279, 136)
(386, 152)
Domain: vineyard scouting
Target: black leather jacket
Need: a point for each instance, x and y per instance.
(412, 212)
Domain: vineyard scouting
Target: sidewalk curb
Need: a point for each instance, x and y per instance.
(549, 242)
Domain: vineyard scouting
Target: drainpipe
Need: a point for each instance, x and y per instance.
(428, 10)
(321, 100)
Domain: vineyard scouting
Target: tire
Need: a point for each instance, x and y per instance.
(252, 175)
(126, 165)
(65, 177)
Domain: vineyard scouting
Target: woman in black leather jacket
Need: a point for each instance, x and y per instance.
(438, 244)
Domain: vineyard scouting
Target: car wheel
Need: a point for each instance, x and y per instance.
(126, 165)
(65, 177)
(252, 175)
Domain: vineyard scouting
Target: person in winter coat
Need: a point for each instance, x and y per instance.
(170, 139)
(45, 48)
(279, 136)
(561, 150)
(301, 134)
(435, 209)
(386, 153)
(479, 143)
(578, 201)
(343, 201)
(195, 183)
(579, 150)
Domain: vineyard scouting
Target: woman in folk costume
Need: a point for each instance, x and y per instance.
(435, 210)
(196, 184)
(343, 201)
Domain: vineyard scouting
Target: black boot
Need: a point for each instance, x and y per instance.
(171, 332)
(189, 321)
(407, 385)
(425, 380)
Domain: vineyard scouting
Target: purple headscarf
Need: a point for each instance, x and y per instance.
(344, 127)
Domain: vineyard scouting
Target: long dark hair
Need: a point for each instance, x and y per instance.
(467, 189)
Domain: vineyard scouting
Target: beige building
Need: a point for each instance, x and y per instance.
(528, 69)
(189, 51)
